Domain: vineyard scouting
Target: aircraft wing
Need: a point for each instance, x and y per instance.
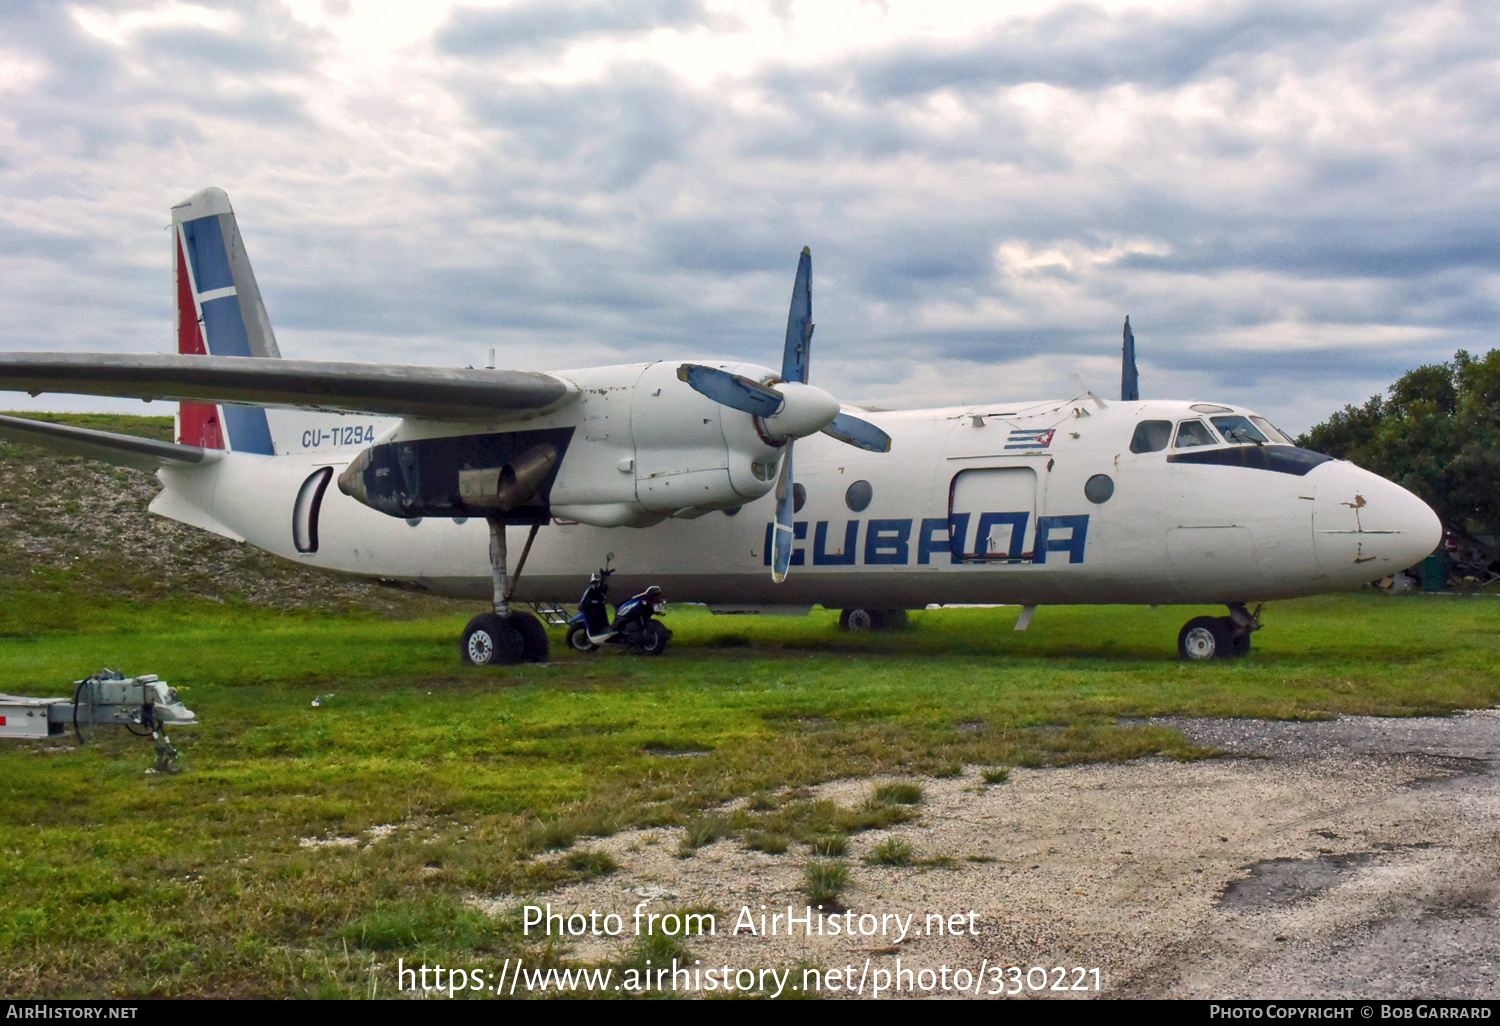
(122, 450)
(430, 393)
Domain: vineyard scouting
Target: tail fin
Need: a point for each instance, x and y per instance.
(219, 313)
(1130, 382)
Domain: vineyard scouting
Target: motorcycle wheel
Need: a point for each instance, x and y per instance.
(653, 639)
(578, 639)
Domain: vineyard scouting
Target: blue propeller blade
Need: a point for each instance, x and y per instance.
(861, 433)
(799, 326)
(732, 390)
(786, 503)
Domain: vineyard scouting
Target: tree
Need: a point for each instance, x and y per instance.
(1437, 434)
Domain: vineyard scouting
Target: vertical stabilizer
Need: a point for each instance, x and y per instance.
(1130, 385)
(219, 313)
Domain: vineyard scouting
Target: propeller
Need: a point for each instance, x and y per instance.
(787, 408)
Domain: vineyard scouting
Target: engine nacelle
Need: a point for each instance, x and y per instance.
(637, 446)
(506, 475)
(693, 455)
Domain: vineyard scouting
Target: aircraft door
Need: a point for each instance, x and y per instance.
(992, 514)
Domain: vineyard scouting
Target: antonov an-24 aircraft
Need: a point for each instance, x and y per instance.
(433, 476)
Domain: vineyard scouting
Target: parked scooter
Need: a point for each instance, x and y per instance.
(633, 624)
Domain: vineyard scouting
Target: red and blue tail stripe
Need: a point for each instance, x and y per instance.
(219, 313)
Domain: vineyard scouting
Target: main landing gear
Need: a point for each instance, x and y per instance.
(506, 636)
(856, 620)
(1219, 637)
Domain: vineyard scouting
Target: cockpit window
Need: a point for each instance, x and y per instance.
(1151, 436)
(1239, 430)
(1194, 432)
(1274, 433)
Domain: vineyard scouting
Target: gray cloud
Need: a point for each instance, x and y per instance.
(545, 25)
(1291, 202)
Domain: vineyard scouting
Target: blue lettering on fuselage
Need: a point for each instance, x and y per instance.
(352, 434)
(888, 542)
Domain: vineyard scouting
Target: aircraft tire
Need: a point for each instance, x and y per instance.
(489, 641)
(653, 639)
(534, 645)
(1205, 637)
(578, 639)
(856, 621)
(897, 620)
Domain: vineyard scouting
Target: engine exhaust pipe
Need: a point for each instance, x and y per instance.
(505, 488)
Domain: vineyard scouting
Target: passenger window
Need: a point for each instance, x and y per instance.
(1194, 432)
(1239, 430)
(1274, 433)
(1151, 436)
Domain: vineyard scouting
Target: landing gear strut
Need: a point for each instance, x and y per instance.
(504, 637)
(1219, 637)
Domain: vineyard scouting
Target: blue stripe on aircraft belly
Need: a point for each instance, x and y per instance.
(205, 246)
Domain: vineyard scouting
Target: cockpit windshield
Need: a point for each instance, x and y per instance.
(1192, 433)
(1239, 431)
(1272, 431)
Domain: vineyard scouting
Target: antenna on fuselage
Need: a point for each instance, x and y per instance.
(1130, 383)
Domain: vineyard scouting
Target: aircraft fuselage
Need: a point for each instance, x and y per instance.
(986, 504)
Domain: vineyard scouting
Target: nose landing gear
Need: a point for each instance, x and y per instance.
(1218, 637)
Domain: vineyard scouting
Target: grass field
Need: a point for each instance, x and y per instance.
(118, 882)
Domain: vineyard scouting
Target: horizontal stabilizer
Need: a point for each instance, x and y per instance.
(121, 450)
(433, 393)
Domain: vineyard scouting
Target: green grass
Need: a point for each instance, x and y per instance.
(829, 844)
(893, 851)
(118, 883)
(823, 880)
(903, 793)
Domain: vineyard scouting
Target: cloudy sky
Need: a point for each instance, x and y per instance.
(1294, 201)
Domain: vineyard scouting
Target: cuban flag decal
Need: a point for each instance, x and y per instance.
(1029, 439)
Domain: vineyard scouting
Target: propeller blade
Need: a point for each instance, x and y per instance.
(861, 433)
(781, 558)
(799, 326)
(732, 390)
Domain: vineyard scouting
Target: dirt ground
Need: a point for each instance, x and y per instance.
(1352, 858)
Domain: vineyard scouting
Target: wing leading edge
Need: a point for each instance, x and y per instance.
(430, 393)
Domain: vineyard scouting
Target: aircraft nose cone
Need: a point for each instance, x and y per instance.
(1365, 527)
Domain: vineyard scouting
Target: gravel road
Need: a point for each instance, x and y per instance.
(1352, 858)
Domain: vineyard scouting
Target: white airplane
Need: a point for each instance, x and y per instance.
(686, 469)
